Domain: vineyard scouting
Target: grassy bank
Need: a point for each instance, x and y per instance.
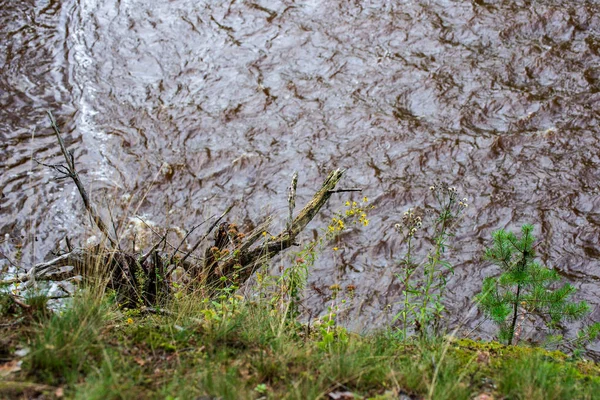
(236, 349)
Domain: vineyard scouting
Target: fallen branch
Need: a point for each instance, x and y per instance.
(43, 271)
(243, 259)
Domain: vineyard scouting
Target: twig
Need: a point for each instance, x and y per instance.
(112, 221)
(159, 311)
(20, 303)
(9, 324)
(184, 239)
(145, 256)
(61, 169)
(71, 172)
(9, 260)
(205, 235)
(64, 296)
(476, 327)
(153, 231)
(346, 190)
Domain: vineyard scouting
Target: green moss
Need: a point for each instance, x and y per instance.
(156, 337)
(492, 358)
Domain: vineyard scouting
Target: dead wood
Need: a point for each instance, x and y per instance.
(243, 259)
(145, 277)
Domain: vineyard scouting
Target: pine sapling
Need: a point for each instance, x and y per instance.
(524, 286)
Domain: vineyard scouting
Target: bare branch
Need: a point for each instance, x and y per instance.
(112, 221)
(11, 262)
(184, 239)
(145, 256)
(72, 173)
(153, 231)
(206, 234)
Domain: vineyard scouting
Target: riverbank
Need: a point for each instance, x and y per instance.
(238, 349)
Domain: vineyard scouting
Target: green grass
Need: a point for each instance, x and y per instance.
(92, 350)
(67, 344)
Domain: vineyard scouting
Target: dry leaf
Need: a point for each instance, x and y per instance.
(139, 361)
(10, 367)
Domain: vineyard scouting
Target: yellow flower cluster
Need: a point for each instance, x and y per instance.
(356, 210)
(354, 213)
(336, 225)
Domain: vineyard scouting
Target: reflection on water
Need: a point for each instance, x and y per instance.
(501, 99)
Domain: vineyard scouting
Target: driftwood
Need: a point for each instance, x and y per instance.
(243, 259)
(46, 271)
(145, 277)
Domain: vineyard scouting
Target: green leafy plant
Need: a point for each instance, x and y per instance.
(524, 287)
(261, 388)
(293, 279)
(424, 282)
(585, 336)
(329, 334)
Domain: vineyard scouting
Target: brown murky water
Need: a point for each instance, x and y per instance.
(499, 98)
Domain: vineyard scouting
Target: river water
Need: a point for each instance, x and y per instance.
(182, 107)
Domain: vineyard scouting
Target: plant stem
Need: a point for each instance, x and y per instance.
(407, 275)
(515, 314)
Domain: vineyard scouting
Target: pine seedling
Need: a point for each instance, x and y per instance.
(524, 287)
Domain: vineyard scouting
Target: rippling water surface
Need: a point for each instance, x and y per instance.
(187, 106)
